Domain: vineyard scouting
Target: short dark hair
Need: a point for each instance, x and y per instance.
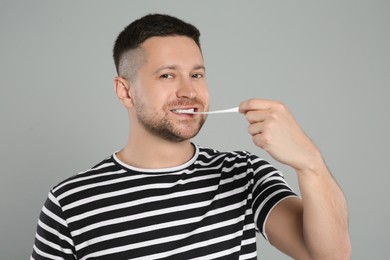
(148, 26)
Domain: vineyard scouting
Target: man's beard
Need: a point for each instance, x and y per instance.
(158, 123)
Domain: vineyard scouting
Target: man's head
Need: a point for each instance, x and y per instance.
(128, 56)
(160, 71)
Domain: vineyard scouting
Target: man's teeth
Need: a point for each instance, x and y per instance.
(184, 111)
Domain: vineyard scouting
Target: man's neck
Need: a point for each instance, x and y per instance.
(155, 153)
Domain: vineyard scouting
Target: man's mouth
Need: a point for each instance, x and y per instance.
(184, 110)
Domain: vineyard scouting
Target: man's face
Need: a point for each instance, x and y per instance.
(172, 77)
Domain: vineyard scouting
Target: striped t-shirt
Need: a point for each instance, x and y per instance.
(207, 208)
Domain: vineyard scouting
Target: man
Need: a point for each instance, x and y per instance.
(163, 197)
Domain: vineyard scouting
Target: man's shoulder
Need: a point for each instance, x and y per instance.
(105, 170)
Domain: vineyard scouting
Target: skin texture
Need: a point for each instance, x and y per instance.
(172, 76)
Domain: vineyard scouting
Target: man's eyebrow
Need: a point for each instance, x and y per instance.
(199, 67)
(165, 67)
(175, 67)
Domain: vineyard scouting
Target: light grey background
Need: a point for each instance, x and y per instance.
(329, 61)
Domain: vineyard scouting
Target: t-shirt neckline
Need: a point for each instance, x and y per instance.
(158, 170)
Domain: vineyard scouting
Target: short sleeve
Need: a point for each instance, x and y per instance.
(53, 239)
(269, 188)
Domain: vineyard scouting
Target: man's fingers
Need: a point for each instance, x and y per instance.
(256, 104)
(256, 116)
(256, 128)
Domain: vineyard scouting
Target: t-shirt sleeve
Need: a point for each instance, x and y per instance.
(269, 188)
(53, 239)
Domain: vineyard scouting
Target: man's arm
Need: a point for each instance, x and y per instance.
(53, 239)
(315, 227)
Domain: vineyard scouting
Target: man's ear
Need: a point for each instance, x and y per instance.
(122, 90)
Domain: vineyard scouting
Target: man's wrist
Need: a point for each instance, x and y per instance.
(315, 164)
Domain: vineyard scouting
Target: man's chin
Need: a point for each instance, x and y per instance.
(176, 134)
(177, 138)
(184, 135)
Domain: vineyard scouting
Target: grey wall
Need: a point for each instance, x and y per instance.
(329, 61)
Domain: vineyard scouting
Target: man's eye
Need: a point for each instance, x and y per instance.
(197, 75)
(166, 76)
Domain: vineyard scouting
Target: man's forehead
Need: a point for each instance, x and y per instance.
(158, 44)
(173, 52)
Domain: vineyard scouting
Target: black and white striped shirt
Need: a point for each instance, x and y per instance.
(207, 208)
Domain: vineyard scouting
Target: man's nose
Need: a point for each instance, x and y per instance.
(186, 89)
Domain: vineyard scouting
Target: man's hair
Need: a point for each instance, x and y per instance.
(139, 31)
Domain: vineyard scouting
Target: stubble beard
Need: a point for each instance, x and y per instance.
(160, 125)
